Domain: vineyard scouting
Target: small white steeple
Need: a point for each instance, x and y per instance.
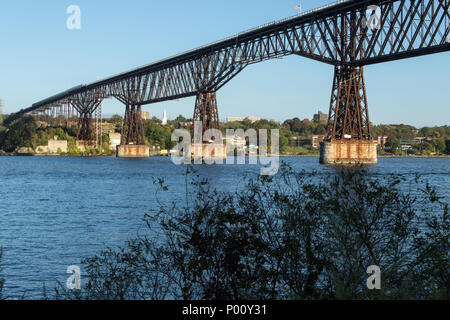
(164, 120)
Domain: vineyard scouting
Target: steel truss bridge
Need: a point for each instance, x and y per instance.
(346, 34)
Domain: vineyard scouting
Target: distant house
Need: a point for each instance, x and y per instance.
(422, 139)
(382, 140)
(236, 142)
(82, 145)
(108, 127)
(145, 115)
(53, 146)
(321, 117)
(304, 143)
(316, 140)
(406, 144)
(114, 140)
(185, 124)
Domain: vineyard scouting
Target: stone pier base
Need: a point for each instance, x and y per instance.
(82, 144)
(133, 151)
(209, 152)
(348, 152)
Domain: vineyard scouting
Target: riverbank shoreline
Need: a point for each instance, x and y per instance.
(152, 156)
(53, 155)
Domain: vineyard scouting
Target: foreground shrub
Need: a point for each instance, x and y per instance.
(2, 281)
(292, 236)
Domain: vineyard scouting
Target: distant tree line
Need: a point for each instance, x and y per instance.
(305, 128)
(439, 138)
(25, 132)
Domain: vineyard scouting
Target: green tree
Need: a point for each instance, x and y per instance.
(427, 147)
(440, 145)
(73, 150)
(106, 150)
(392, 145)
(426, 132)
(73, 131)
(180, 118)
(284, 142)
(447, 146)
(105, 138)
(117, 119)
(20, 134)
(158, 135)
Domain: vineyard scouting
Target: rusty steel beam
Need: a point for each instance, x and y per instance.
(133, 127)
(206, 111)
(85, 104)
(349, 114)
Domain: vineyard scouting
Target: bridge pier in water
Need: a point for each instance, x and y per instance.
(86, 125)
(133, 144)
(206, 119)
(349, 139)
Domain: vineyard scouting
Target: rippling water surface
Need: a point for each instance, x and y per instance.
(56, 211)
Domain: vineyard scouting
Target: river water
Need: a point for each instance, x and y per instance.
(55, 211)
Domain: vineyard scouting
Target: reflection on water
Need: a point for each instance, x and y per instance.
(56, 211)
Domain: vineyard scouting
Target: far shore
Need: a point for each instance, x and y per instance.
(379, 156)
(281, 155)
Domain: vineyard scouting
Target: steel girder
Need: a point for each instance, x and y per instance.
(349, 114)
(402, 29)
(205, 74)
(85, 104)
(206, 111)
(133, 127)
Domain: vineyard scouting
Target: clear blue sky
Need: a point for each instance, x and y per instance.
(39, 57)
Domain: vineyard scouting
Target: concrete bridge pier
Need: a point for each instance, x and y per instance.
(133, 143)
(348, 152)
(349, 139)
